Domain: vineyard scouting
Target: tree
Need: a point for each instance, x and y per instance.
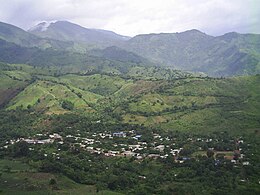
(67, 105)
(20, 149)
(52, 181)
(210, 153)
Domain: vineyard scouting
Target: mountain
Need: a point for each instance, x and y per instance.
(13, 34)
(67, 31)
(16, 35)
(196, 51)
(248, 43)
(98, 61)
(19, 46)
(227, 55)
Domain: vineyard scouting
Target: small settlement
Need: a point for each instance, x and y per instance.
(131, 144)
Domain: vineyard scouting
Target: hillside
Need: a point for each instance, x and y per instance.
(148, 130)
(246, 42)
(181, 102)
(98, 61)
(67, 43)
(195, 51)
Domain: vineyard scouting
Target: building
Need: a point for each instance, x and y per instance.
(119, 134)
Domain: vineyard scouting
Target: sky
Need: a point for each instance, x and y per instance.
(132, 17)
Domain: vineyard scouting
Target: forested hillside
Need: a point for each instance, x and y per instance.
(231, 54)
(227, 55)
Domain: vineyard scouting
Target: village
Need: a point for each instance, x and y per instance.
(131, 144)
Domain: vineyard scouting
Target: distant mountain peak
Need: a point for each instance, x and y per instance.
(193, 31)
(68, 31)
(231, 34)
(42, 26)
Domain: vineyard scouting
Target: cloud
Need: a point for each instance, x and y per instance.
(131, 17)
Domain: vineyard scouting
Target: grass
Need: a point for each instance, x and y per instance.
(19, 75)
(9, 88)
(205, 105)
(15, 165)
(204, 153)
(45, 94)
(99, 84)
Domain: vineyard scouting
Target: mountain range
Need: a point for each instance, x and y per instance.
(228, 55)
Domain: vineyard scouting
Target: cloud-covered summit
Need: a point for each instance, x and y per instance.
(133, 17)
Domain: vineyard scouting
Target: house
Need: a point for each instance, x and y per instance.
(55, 136)
(142, 177)
(160, 148)
(134, 146)
(245, 163)
(128, 153)
(89, 148)
(45, 141)
(109, 154)
(137, 137)
(113, 152)
(229, 157)
(139, 157)
(155, 135)
(119, 134)
(35, 141)
(155, 156)
(30, 141)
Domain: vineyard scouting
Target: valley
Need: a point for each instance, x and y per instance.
(89, 111)
(86, 127)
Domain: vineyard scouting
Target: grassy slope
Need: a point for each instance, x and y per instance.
(201, 105)
(9, 88)
(47, 95)
(191, 104)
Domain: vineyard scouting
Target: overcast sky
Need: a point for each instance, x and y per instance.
(132, 17)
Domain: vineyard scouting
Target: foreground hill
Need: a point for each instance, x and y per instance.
(171, 101)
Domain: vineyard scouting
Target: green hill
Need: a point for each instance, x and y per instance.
(200, 105)
(178, 102)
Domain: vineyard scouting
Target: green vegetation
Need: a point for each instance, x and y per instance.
(227, 55)
(173, 110)
(64, 44)
(19, 178)
(84, 111)
(188, 103)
